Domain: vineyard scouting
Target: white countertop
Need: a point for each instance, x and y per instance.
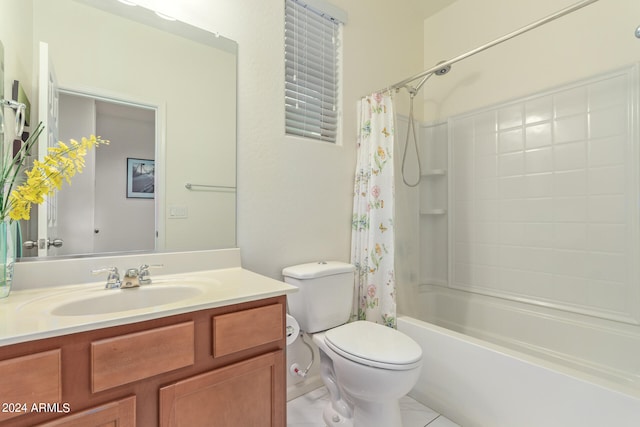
(26, 315)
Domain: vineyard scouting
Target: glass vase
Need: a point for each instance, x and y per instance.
(8, 232)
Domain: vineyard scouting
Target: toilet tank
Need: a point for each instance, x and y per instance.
(325, 294)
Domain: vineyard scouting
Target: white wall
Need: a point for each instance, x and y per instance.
(15, 34)
(595, 39)
(294, 195)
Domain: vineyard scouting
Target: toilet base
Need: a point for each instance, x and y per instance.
(367, 414)
(332, 418)
(377, 414)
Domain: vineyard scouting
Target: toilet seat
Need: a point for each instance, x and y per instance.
(374, 345)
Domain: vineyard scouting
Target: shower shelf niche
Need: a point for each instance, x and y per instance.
(434, 172)
(433, 207)
(427, 285)
(433, 212)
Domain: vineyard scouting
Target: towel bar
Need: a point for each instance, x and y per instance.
(190, 186)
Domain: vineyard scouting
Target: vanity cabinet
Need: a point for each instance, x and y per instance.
(242, 394)
(223, 366)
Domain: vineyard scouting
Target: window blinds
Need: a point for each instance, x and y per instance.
(311, 72)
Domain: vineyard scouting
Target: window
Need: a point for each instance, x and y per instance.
(312, 70)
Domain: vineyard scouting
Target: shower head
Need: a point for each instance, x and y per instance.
(413, 90)
(442, 71)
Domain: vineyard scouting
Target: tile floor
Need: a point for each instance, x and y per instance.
(306, 411)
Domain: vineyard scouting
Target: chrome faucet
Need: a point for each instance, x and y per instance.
(131, 279)
(144, 277)
(113, 276)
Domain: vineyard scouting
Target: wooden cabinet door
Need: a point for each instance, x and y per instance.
(121, 413)
(30, 380)
(248, 393)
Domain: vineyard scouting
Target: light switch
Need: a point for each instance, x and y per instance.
(178, 211)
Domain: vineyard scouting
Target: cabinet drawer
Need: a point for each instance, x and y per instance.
(127, 358)
(238, 331)
(26, 380)
(121, 413)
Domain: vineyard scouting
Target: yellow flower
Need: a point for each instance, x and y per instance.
(45, 177)
(378, 249)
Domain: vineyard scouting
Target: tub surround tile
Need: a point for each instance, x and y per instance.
(540, 180)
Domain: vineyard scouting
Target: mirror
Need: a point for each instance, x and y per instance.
(115, 64)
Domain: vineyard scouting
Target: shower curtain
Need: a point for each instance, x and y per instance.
(372, 239)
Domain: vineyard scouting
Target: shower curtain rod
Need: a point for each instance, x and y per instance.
(486, 46)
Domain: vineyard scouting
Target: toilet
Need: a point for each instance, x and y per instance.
(365, 366)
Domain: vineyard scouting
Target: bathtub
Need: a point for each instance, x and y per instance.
(492, 363)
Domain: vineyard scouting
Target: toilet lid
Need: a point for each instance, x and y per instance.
(374, 345)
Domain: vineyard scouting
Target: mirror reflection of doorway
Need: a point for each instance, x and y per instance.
(95, 214)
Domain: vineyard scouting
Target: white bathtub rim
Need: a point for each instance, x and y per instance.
(562, 359)
(566, 371)
(627, 373)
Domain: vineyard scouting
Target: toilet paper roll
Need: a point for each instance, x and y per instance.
(293, 329)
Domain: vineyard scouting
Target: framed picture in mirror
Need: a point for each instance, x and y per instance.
(140, 178)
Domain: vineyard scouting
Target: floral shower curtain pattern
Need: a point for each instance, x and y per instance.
(372, 238)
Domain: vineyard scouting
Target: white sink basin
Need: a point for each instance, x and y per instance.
(116, 300)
